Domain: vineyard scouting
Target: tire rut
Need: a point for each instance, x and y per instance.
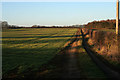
(72, 70)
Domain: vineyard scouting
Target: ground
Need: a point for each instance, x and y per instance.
(47, 53)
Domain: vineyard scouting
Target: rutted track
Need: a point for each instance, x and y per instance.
(72, 70)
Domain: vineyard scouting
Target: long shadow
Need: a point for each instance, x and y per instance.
(33, 41)
(27, 41)
(58, 61)
(34, 34)
(38, 37)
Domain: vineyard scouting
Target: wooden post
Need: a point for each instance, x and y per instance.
(117, 17)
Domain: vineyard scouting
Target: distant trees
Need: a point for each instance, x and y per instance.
(73, 26)
(110, 24)
(38, 26)
(5, 25)
(35, 26)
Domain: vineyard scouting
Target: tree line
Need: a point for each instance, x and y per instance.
(5, 25)
(108, 24)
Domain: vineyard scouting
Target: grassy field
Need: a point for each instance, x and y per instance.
(31, 48)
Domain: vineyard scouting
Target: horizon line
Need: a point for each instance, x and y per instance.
(56, 24)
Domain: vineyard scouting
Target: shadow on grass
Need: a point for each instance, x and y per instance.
(45, 58)
(39, 37)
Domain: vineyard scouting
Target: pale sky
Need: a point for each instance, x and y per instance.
(56, 13)
(58, 0)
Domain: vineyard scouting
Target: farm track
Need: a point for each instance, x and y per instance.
(71, 67)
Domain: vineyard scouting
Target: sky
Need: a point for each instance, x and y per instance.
(56, 13)
(58, 0)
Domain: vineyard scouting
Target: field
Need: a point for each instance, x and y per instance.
(33, 47)
(49, 53)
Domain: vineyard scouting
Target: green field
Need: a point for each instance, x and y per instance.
(33, 47)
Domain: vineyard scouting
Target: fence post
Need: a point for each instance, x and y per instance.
(117, 17)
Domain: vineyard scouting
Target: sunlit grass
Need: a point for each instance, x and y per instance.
(25, 48)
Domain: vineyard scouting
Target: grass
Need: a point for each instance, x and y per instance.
(31, 48)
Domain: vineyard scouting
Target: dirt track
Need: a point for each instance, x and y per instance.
(72, 70)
